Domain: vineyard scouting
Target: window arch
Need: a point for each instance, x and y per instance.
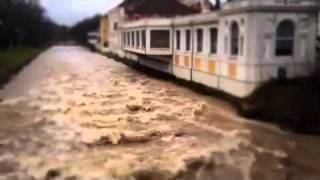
(285, 38)
(235, 33)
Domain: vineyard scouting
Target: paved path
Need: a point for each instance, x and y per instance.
(73, 114)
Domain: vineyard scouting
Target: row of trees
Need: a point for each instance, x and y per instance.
(24, 24)
(79, 32)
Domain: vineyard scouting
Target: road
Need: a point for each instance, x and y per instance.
(73, 114)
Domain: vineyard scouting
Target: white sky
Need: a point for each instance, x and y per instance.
(68, 12)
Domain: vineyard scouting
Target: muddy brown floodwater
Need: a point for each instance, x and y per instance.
(73, 114)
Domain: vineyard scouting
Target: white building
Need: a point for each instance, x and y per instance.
(93, 37)
(234, 49)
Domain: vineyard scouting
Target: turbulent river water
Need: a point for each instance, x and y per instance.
(73, 114)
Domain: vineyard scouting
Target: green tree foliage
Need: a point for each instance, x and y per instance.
(24, 24)
(80, 31)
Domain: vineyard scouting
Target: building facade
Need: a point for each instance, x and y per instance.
(234, 49)
(104, 31)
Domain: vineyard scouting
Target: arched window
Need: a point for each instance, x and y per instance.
(285, 38)
(235, 38)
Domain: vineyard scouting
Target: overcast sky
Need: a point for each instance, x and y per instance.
(68, 12)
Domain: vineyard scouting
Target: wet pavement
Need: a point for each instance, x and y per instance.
(73, 114)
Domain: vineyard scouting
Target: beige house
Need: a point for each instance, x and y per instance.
(104, 31)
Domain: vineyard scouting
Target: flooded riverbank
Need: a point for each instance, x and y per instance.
(73, 114)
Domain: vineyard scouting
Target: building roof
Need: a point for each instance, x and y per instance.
(163, 8)
(136, 9)
(131, 4)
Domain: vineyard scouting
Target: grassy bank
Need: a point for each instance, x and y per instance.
(12, 60)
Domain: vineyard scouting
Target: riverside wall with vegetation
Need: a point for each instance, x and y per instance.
(25, 30)
(12, 60)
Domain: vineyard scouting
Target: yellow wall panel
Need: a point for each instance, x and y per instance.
(104, 26)
(212, 67)
(198, 63)
(233, 71)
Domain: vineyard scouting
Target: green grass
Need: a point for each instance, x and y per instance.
(14, 59)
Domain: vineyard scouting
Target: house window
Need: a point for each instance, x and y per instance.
(129, 38)
(188, 38)
(213, 40)
(235, 39)
(285, 38)
(143, 34)
(178, 40)
(226, 45)
(132, 39)
(138, 38)
(115, 26)
(199, 40)
(160, 39)
(124, 38)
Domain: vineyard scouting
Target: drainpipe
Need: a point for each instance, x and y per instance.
(220, 71)
(218, 54)
(145, 40)
(192, 49)
(172, 46)
(261, 73)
